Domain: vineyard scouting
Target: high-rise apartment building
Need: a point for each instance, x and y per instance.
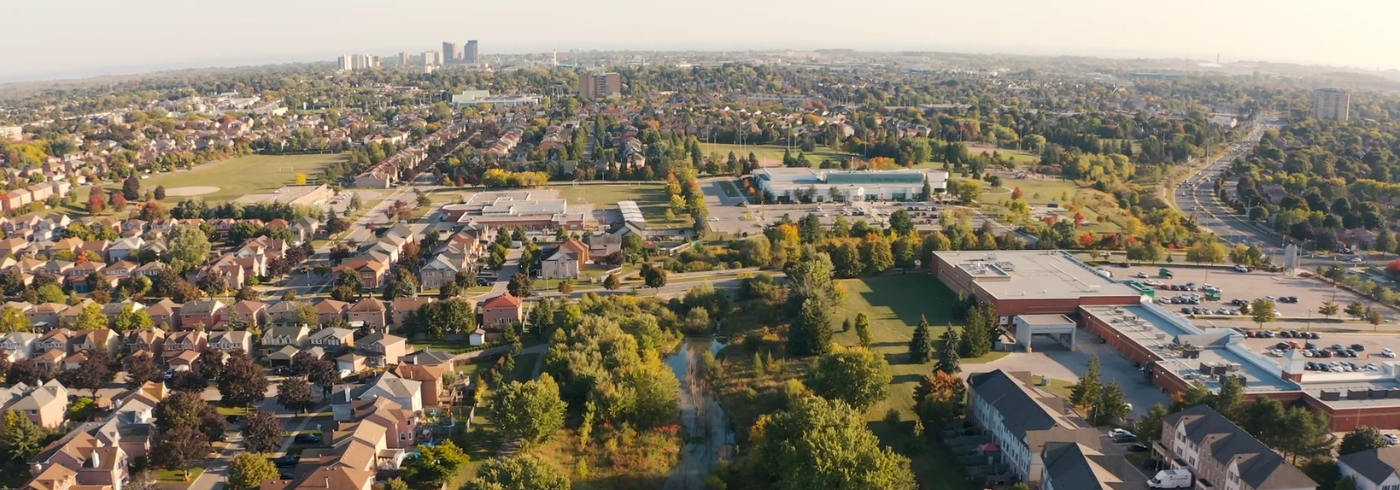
(351, 62)
(405, 59)
(346, 62)
(450, 54)
(1330, 103)
(600, 85)
(470, 56)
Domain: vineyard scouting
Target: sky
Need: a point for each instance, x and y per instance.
(83, 38)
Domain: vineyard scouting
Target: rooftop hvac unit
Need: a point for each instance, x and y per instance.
(1161, 336)
(1191, 353)
(1377, 394)
(1358, 394)
(1232, 367)
(1392, 393)
(1330, 396)
(1208, 367)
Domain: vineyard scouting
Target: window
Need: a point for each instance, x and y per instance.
(403, 436)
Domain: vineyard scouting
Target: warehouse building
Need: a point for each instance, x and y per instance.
(794, 184)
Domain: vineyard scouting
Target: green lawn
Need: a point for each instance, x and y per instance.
(171, 476)
(651, 198)
(244, 175)
(773, 154)
(1040, 192)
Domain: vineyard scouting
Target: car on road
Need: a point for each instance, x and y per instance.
(1391, 439)
(1358, 347)
(286, 461)
(1138, 447)
(1357, 260)
(307, 439)
(1388, 353)
(1240, 268)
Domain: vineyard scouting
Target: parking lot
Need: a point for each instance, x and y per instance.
(1372, 346)
(1246, 286)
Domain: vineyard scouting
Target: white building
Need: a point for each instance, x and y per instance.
(1022, 419)
(824, 185)
(1374, 469)
(1330, 103)
(352, 62)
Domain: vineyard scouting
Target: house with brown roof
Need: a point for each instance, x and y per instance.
(566, 262)
(502, 310)
(329, 310)
(185, 340)
(45, 314)
(369, 311)
(372, 272)
(90, 340)
(231, 340)
(282, 312)
(401, 307)
(248, 312)
(56, 339)
(201, 313)
(166, 312)
(146, 339)
(434, 393)
(381, 350)
(399, 423)
(46, 405)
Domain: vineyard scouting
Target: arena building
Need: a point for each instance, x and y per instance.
(1030, 288)
(531, 210)
(793, 184)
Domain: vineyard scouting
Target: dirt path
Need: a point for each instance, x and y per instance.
(707, 427)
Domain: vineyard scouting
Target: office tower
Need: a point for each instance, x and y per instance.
(346, 62)
(1330, 103)
(449, 53)
(470, 56)
(404, 58)
(600, 85)
(432, 58)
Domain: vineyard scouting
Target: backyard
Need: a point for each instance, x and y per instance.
(231, 179)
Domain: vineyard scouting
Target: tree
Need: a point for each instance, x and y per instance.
(1374, 317)
(530, 411)
(141, 369)
(294, 393)
(180, 450)
(95, 372)
(859, 377)
(159, 193)
(1085, 394)
(20, 438)
(1111, 404)
(653, 277)
(521, 286)
(324, 374)
(262, 433)
(248, 471)
(939, 397)
(948, 360)
(1149, 428)
(131, 188)
(189, 382)
(523, 472)
(132, 319)
(91, 318)
(27, 371)
(1356, 310)
(921, 345)
(243, 382)
(611, 282)
(810, 334)
(189, 247)
(876, 254)
(13, 320)
(1328, 309)
(433, 466)
(1361, 439)
(825, 444)
(863, 330)
(210, 365)
(901, 222)
(397, 484)
(1262, 311)
(51, 293)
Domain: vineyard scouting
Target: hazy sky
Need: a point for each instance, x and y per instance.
(69, 38)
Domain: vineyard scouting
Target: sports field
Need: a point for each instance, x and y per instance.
(772, 155)
(231, 179)
(651, 198)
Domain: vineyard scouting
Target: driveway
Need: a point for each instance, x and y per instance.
(1056, 361)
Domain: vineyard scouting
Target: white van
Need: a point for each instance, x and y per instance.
(1171, 479)
(1104, 272)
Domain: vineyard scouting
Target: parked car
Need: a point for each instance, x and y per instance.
(1388, 353)
(1138, 447)
(1358, 347)
(307, 439)
(286, 461)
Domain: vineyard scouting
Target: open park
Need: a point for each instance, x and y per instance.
(230, 179)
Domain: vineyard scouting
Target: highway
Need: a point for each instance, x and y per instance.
(1196, 197)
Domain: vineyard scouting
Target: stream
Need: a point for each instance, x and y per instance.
(710, 439)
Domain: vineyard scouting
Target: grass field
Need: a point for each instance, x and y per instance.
(651, 198)
(773, 154)
(1040, 192)
(1016, 156)
(894, 304)
(244, 175)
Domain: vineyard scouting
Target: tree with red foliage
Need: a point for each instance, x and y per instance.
(96, 201)
(1078, 219)
(1087, 240)
(1393, 268)
(1016, 193)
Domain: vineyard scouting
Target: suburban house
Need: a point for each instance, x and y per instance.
(124, 248)
(1073, 466)
(1373, 469)
(370, 312)
(381, 350)
(502, 310)
(248, 312)
(406, 392)
(401, 307)
(45, 315)
(329, 310)
(1220, 454)
(201, 313)
(56, 339)
(15, 346)
(166, 312)
(443, 269)
(283, 312)
(399, 423)
(147, 339)
(434, 393)
(231, 340)
(46, 405)
(371, 271)
(431, 357)
(277, 337)
(333, 338)
(185, 340)
(1022, 418)
(89, 340)
(566, 262)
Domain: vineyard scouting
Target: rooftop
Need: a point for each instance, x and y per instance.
(1033, 274)
(800, 176)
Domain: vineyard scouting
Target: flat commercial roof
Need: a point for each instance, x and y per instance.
(1045, 319)
(799, 175)
(1033, 274)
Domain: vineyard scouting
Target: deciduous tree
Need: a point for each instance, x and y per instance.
(825, 444)
(530, 411)
(523, 472)
(262, 433)
(243, 382)
(857, 376)
(248, 471)
(180, 450)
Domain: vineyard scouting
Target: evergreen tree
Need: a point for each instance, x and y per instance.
(921, 346)
(1086, 392)
(1111, 403)
(948, 355)
(810, 335)
(863, 330)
